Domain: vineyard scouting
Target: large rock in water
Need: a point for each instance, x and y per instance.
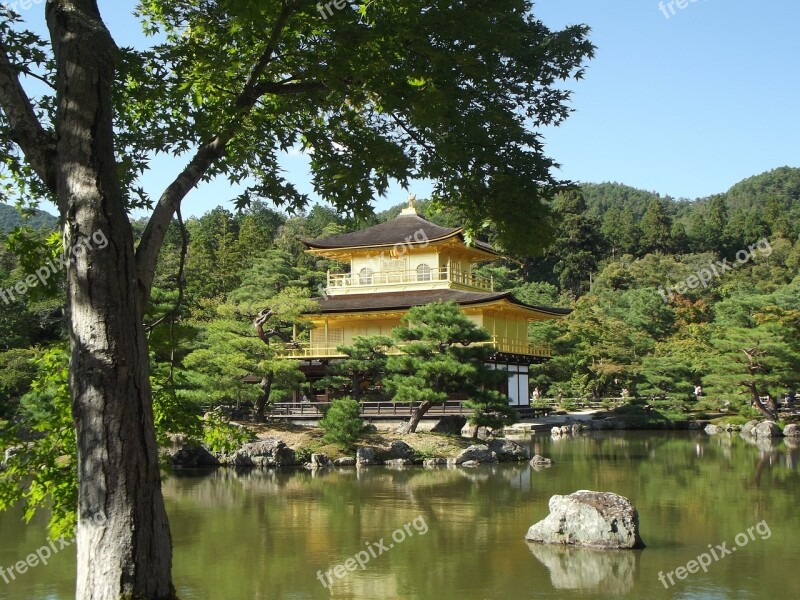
(506, 450)
(589, 519)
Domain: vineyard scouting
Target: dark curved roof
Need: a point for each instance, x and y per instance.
(405, 300)
(404, 229)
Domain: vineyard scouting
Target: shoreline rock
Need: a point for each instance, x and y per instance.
(191, 456)
(365, 456)
(272, 452)
(478, 453)
(507, 450)
(767, 429)
(791, 430)
(268, 452)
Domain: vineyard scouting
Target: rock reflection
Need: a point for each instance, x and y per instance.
(609, 571)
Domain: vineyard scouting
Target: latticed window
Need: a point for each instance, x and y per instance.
(335, 337)
(392, 269)
(365, 276)
(423, 272)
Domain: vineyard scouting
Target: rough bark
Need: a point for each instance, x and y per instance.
(266, 335)
(769, 412)
(261, 403)
(123, 539)
(416, 417)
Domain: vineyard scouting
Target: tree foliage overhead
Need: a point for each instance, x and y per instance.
(373, 80)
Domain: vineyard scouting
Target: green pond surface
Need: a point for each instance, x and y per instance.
(458, 532)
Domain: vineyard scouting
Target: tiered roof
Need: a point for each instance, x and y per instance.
(354, 303)
(408, 228)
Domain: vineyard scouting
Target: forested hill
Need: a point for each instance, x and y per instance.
(780, 185)
(773, 195)
(11, 218)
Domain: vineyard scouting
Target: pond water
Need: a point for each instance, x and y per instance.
(457, 534)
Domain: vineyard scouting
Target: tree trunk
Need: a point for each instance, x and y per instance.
(767, 411)
(266, 390)
(123, 539)
(416, 417)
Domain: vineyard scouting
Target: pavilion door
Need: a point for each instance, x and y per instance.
(515, 388)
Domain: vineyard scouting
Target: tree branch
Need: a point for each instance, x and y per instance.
(269, 87)
(27, 132)
(266, 335)
(208, 153)
(181, 280)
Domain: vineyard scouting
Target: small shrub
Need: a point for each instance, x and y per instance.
(568, 405)
(221, 436)
(342, 423)
(303, 453)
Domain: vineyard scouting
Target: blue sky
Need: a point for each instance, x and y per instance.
(681, 101)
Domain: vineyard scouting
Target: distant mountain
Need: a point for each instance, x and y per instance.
(602, 196)
(780, 188)
(10, 218)
(782, 184)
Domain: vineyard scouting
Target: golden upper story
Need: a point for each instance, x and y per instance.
(405, 254)
(409, 261)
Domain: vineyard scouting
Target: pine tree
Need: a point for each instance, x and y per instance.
(442, 355)
(759, 362)
(656, 228)
(578, 244)
(365, 365)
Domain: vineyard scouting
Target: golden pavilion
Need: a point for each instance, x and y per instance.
(409, 261)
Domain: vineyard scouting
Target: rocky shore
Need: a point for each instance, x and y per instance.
(273, 452)
(301, 447)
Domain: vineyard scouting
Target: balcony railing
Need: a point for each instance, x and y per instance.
(513, 346)
(500, 344)
(405, 277)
